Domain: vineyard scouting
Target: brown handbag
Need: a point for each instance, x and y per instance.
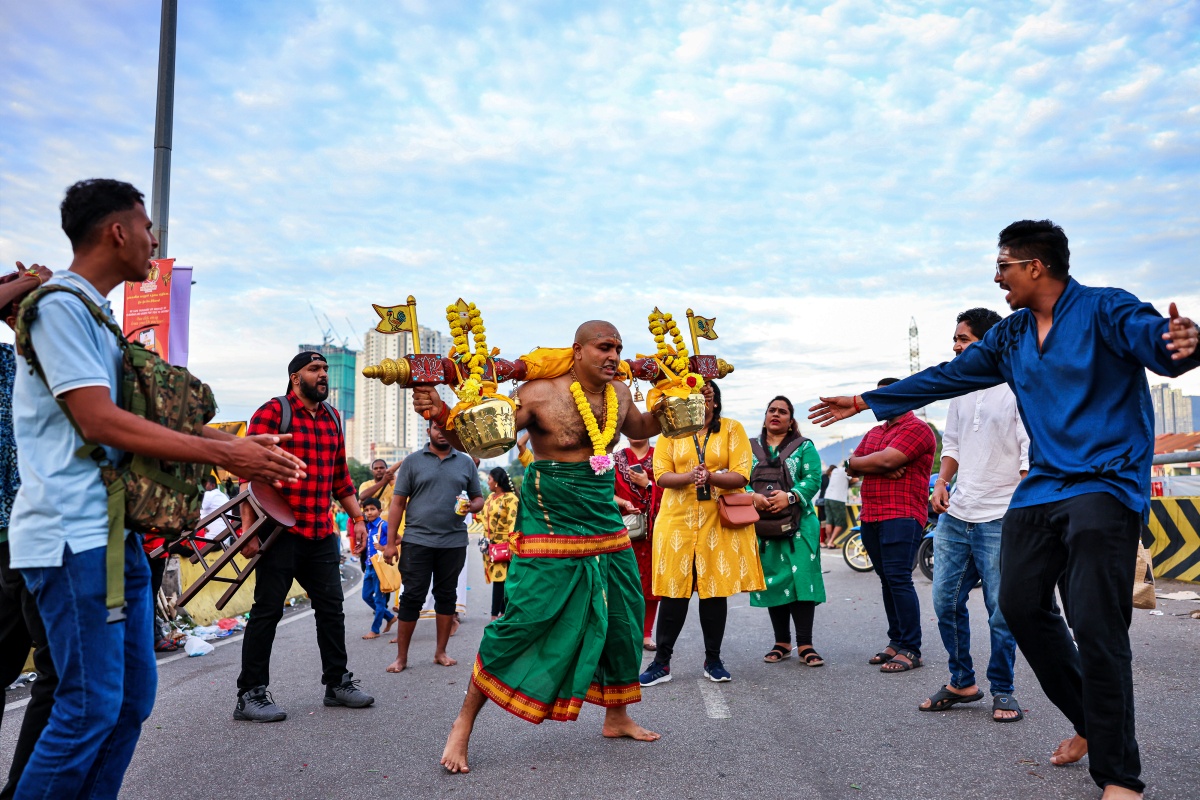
(737, 510)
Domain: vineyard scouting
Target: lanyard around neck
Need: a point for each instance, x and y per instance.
(701, 452)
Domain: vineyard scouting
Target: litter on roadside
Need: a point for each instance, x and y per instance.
(1185, 595)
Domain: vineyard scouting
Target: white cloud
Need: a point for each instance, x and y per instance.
(837, 170)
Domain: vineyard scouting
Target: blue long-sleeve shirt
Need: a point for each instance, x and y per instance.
(1083, 394)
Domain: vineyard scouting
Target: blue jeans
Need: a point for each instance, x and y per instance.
(964, 552)
(892, 545)
(107, 676)
(375, 599)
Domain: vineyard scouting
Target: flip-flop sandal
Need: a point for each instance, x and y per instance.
(1006, 702)
(811, 657)
(895, 665)
(944, 699)
(882, 657)
(778, 653)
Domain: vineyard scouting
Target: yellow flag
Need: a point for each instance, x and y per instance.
(703, 327)
(394, 319)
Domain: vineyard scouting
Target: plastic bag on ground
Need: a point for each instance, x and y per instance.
(195, 646)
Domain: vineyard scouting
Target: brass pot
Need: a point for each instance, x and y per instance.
(487, 430)
(679, 417)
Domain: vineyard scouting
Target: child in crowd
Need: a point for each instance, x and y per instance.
(371, 594)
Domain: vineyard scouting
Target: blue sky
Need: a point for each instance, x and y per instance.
(812, 174)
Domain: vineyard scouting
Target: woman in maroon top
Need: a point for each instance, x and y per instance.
(637, 494)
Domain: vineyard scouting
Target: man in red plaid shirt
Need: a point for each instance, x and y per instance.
(895, 461)
(307, 553)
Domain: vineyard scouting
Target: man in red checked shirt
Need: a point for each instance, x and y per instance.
(307, 553)
(894, 460)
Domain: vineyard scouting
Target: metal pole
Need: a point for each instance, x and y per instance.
(1182, 457)
(160, 196)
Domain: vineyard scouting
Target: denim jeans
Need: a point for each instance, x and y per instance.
(107, 676)
(892, 545)
(375, 599)
(964, 552)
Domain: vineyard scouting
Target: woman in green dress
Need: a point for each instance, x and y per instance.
(791, 565)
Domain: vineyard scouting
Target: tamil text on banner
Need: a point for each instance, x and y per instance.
(147, 316)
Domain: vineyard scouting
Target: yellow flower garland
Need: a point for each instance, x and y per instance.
(471, 388)
(660, 325)
(601, 462)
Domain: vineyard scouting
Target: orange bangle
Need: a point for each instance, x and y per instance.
(854, 402)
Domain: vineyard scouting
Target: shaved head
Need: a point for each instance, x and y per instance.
(595, 329)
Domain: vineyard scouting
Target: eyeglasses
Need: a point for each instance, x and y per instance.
(1003, 265)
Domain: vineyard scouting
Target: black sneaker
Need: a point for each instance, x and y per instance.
(257, 705)
(347, 694)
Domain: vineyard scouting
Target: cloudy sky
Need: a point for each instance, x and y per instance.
(813, 174)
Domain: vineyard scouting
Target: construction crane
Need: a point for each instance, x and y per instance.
(326, 328)
(914, 354)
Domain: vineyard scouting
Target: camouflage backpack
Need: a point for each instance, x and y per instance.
(145, 494)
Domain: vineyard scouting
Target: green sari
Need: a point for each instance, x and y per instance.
(572, 629)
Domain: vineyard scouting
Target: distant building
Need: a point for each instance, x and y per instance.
(341, 377)
(1173, 410)
(385, 425)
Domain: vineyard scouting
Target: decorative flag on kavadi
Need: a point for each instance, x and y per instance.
(703, 327)
(157, 310)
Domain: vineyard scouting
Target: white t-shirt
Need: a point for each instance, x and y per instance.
(213, 500)
(838, 489)
(985, 434)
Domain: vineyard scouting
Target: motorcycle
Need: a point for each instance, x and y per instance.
(855, 554)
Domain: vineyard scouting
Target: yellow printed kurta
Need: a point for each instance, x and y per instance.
(689, 539)
(499, 517)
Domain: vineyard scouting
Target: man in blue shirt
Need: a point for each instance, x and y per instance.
(1075, 356)
(58, 534)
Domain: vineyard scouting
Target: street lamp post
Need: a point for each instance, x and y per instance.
(160, 196)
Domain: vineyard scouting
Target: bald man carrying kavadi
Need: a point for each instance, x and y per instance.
(572, 631)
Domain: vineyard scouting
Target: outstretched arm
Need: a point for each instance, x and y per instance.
(977, 368)
(1136, 331)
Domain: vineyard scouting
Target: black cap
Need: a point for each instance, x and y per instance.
(303, 359)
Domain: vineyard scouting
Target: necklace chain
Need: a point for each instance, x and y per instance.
(575, 378)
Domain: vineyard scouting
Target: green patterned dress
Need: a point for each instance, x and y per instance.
(792, 567)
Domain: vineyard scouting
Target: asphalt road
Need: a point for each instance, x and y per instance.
(841, 731)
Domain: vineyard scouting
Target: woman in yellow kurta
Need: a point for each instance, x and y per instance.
(693, 551)
(499, 515)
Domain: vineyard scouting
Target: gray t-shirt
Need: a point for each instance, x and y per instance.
(432, 486)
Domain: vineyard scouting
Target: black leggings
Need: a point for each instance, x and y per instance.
(799, 610)
(498, 600)
(672, 612)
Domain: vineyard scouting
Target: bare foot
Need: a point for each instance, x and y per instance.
(444, 659)
(389, 625)
(393, 640)
(457, 624)
(618, 724)
(398, 665)
(1069, 751)
(1114, 792)
(454, 757)
(371, 635)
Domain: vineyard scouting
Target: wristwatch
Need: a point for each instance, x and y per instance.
(791, 498)
(357, 520)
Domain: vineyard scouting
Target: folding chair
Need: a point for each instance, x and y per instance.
(273, 515)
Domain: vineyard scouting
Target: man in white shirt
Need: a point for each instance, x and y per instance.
(986, 445)
(213, 499)
(837, 493)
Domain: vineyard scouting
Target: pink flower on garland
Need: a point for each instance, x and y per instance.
(601, 464)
